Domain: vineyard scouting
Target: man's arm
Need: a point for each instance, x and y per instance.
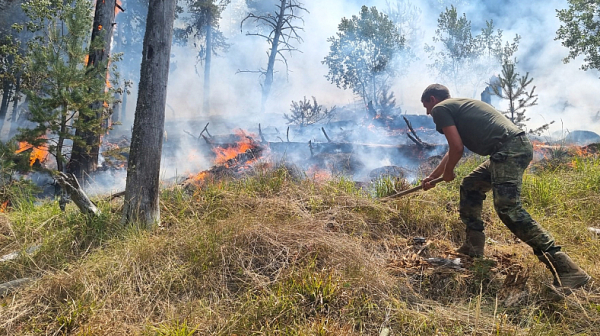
(446, 166)
(455, 151)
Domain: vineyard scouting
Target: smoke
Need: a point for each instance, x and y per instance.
(237, 95)
(566, 94)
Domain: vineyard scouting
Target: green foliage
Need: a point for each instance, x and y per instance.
(463, 57)
(14, 190)
(60, 85)
(204, 15)
(513, 87)
(11, 59)
(174, 329)
(407, 18)
(579, 31)
(362, 53)
(389, 185)
(304, 113)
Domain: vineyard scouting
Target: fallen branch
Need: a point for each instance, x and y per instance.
(70, 184)
(415, 138)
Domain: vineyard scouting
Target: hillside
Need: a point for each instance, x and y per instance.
(276, 253)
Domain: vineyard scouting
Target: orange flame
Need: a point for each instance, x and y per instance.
(318, 174)
(3, 206)
(225, 154)
(37, 153)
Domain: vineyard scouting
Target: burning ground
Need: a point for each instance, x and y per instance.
(273, 252)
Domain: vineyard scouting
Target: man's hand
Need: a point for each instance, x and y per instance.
(448, 176)
(425, 183)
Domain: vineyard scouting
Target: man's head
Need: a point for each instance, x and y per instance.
(434, 94)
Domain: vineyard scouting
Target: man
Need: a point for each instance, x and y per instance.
(485, 131)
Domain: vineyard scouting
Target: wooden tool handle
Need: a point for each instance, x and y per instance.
(412, 190)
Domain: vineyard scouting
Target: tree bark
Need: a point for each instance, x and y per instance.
(266, 90)
(207, 61)
(6, 95)
(84, 157)
(141, 204)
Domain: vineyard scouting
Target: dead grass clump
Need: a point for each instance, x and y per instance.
(5, 230)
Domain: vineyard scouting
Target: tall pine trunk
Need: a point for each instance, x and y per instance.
(207, 61)
(142, 187)
(84, 156)
(266, 89)
(6, 95)
(10, 122)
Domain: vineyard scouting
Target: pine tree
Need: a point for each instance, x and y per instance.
(203, 27)
(282, 32)
(514, 88)
(60, 86)
(84, 156)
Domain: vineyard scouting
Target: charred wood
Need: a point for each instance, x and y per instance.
(415, 138)
(205, 129)
(326, 136)
(262, 137)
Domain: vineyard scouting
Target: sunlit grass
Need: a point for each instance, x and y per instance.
(278, 253)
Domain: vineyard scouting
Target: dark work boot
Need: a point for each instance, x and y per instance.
(566, 273)
(474, 244)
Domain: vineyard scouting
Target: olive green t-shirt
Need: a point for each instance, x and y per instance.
(479, 125)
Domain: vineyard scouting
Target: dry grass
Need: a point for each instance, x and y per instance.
(276, 255)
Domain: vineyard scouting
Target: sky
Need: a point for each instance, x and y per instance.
(566, 93)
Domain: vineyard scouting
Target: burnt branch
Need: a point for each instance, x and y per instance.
(414, 137)
(205, 129)
(326, 136)
(262, 137)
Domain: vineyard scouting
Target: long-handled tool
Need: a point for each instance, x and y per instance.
(412, 190)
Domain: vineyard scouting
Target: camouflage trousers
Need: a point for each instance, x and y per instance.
(503, 174)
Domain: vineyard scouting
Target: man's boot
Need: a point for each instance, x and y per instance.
(474, 244)
(566, 273)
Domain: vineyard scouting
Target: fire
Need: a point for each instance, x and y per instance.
(318, 174)
(3, 206)
(225, 155)
(37, 153)
(200, 177)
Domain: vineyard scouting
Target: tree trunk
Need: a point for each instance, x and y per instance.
(6, 95)
(84, 157)
(266, 89)
(19, 118)
(207, 61)
(6, 128)
(142, 187)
